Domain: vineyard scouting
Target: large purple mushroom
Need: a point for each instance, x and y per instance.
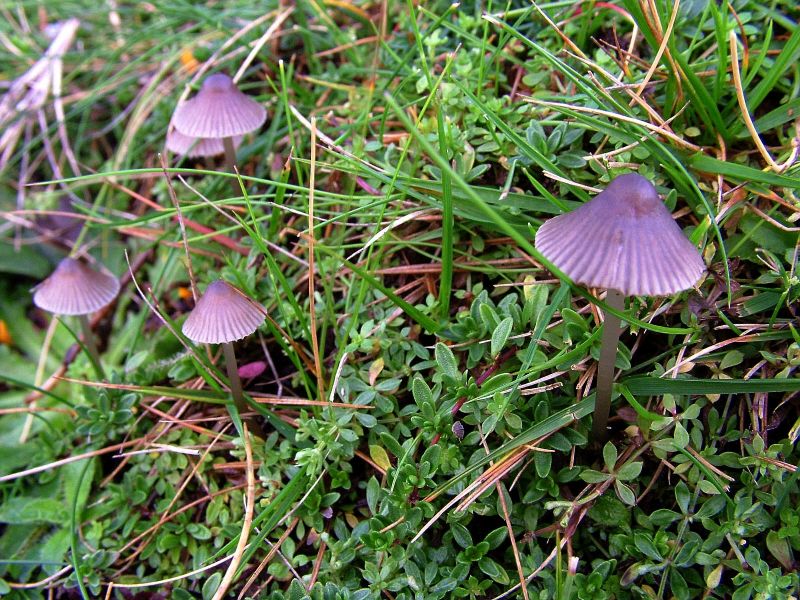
(624, 240)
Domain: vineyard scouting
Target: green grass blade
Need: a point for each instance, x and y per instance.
(655, 386)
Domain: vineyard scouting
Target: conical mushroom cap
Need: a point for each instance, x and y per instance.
(223, 314)
(194, 147)
(75, 289)
(219, 110)
(623, 239)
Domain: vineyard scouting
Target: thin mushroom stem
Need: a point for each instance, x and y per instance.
(91, 346)
(236, 386)
(230, 163)
(605, 369)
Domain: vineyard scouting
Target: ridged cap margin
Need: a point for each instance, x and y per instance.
(218, 110)
(75, 289)
(624, 239)
(223, 314)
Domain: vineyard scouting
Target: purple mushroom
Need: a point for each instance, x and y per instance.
(219, 111)
(624, 240)
(76, 289)
(224, 314)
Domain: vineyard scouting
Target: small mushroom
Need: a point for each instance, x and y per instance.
(624, 240)
(76, 289)
(219, 111)
(224, 314)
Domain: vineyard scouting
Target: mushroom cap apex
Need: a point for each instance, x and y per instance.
(633, 183)
(74, 288)
(223, 314)
(636, 193)
(623, 239)
(218, 82)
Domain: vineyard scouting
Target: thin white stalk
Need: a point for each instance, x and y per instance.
(236, 387)
(230, 163)
(605, 369)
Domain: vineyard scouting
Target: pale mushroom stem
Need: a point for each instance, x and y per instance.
(90, 345)
(605, 369)
(236, 387)
(230, 163)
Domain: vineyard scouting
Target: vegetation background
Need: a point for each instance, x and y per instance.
(425, 382)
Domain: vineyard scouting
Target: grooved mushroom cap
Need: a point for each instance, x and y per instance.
(75, 289)
(223, 314)
(194, 147)
(623, 239)
(218, 110)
